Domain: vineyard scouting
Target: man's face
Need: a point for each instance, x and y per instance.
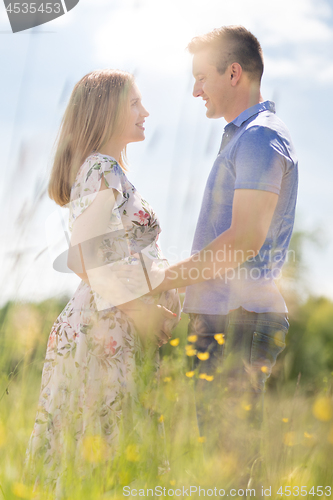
(213, 87)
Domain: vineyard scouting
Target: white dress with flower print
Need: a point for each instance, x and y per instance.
(93, 354)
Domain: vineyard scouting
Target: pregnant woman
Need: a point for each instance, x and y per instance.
(99, 344)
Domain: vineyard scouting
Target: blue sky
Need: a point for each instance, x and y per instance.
(149, 37)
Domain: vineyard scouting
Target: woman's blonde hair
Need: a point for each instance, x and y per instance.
(96, 110)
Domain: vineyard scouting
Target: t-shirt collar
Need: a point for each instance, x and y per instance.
(257, 108)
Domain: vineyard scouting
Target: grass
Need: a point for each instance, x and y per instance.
(297, 444)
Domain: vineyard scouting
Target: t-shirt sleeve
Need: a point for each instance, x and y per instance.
(88, 183)
(260, 160)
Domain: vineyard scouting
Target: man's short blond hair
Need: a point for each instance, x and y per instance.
(230, 44)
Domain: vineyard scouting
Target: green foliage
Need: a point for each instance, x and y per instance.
(298, 427)
(310, 343)
(24, 329)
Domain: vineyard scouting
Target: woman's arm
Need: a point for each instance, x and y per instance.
(89, 229)
(85, 257)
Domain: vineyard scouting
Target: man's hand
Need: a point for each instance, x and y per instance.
(150, 320)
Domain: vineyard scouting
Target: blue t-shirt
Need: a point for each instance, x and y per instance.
(256, 153)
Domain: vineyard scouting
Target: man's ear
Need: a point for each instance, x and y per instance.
(235, 72)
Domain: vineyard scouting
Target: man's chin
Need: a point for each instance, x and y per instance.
(210, 113)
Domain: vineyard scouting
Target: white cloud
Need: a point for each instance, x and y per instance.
(308, 67)
(295, 22)
(146, 33)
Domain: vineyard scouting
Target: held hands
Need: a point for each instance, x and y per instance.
(151, 322)
(141, 276)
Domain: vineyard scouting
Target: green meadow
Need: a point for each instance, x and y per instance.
(297, 434)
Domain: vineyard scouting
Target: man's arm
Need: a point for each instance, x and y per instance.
(252, 214)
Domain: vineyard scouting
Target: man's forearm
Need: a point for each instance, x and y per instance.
(224, 253)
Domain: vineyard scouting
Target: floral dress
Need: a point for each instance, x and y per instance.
(94, 354)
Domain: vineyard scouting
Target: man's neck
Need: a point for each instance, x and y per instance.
(245, 100)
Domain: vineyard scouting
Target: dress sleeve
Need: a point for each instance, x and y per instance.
(260, 160)
(88, 183)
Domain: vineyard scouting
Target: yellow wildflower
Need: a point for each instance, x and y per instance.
(309, 440)
(201, 439)
(322, 409)
(191, 352)
(285, 420)
(172, 482)
(167, 379)
(161, 418)
(203, 355)
(174, 342)
(189, 374)
(132, 453)
(265, 369)
(289, 439)
(204, 376)
(192, 338)
(21, 490)
(219, 337)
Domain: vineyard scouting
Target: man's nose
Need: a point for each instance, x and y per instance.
(197, 89)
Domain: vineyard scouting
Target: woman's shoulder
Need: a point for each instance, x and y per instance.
(96, 166)
(88, 182)
(98, 163)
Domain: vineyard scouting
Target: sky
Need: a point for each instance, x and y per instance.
(148, 38)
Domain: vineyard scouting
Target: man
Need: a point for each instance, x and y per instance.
(238, 318)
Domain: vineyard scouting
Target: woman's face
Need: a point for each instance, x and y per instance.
(134, 130)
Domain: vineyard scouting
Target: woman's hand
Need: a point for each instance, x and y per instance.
(150, 320)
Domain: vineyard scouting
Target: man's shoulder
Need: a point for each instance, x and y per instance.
(267, 128)
(269, 123)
